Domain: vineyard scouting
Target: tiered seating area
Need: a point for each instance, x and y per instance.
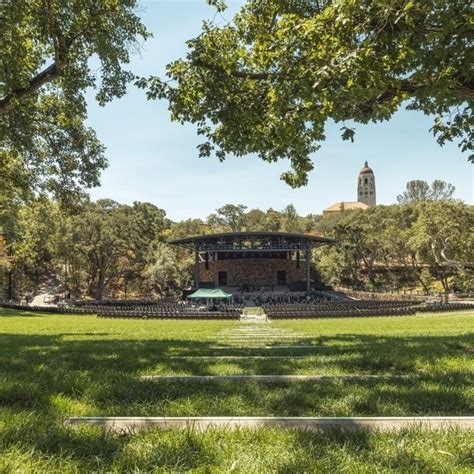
(274, 308)
(340, 309)
(440, 308)
(46, 309)
(162, 309)
(289, 299)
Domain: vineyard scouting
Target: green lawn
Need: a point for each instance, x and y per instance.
(54, 366)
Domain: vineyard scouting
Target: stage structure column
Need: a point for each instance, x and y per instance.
(308, 272)
(196, 268)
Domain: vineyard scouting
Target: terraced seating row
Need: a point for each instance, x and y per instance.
(146, 312)
(154, 307)
(130, 307)
(45, 309)
(338, 306)
(128, 303)
(441, 308)
(183, 314)
(289, 299)
(149, 308)
(352, 313)
(159, 309)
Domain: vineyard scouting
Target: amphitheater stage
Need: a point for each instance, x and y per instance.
(254, 262)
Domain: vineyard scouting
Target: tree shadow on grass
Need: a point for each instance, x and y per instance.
(408, 450)
(52, 377)
(104, 374)
(90, 449)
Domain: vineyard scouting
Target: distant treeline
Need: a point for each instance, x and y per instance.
(105, 248)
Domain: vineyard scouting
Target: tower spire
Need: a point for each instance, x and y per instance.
(366, 186)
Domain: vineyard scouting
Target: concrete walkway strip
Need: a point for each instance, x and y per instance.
(268, 378)
(258, 331)
(271, 331)
(131, 424)
(266, 333)
(256, 336)
(251, 334)
(230, 357)
(234, 347)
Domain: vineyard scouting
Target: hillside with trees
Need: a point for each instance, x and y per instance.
(106, 249)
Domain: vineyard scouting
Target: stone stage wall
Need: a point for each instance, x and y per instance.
(259, 271)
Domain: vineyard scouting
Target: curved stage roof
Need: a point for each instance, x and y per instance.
(252, 242)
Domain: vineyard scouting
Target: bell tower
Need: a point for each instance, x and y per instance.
(366, 186)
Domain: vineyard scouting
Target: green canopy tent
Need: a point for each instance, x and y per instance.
(210, 294)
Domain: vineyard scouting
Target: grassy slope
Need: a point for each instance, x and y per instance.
(55, 366)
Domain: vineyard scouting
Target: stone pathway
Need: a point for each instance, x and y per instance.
(253, 318)
(259, 334)
(43, 300)
(45, 293)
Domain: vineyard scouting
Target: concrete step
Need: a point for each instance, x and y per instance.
(270, 378)
(258, 336)
(273, 347)
(231, 357)
(388, 423)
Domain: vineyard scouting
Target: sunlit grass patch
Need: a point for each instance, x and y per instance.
(54, 366)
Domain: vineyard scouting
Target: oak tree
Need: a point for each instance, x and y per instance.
(51, 52)
(419, 190)
(269, 81)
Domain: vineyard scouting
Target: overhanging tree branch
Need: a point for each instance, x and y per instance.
(254, 76)
(62, 44)
(42, 78)
(464, 89)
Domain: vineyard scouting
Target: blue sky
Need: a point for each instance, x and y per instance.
(152, 159)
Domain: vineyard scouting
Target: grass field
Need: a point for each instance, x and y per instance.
(54, 366)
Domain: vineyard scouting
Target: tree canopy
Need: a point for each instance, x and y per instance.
(106, 249)
(51, 51)
(229, 216)
(395, 246)
(418, 190)
(269, 81)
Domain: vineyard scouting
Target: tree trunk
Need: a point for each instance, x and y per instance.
(425, 288)
(100, 285)
(444, 281)
(10, 285)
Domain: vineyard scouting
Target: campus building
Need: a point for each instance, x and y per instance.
(366, 194)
